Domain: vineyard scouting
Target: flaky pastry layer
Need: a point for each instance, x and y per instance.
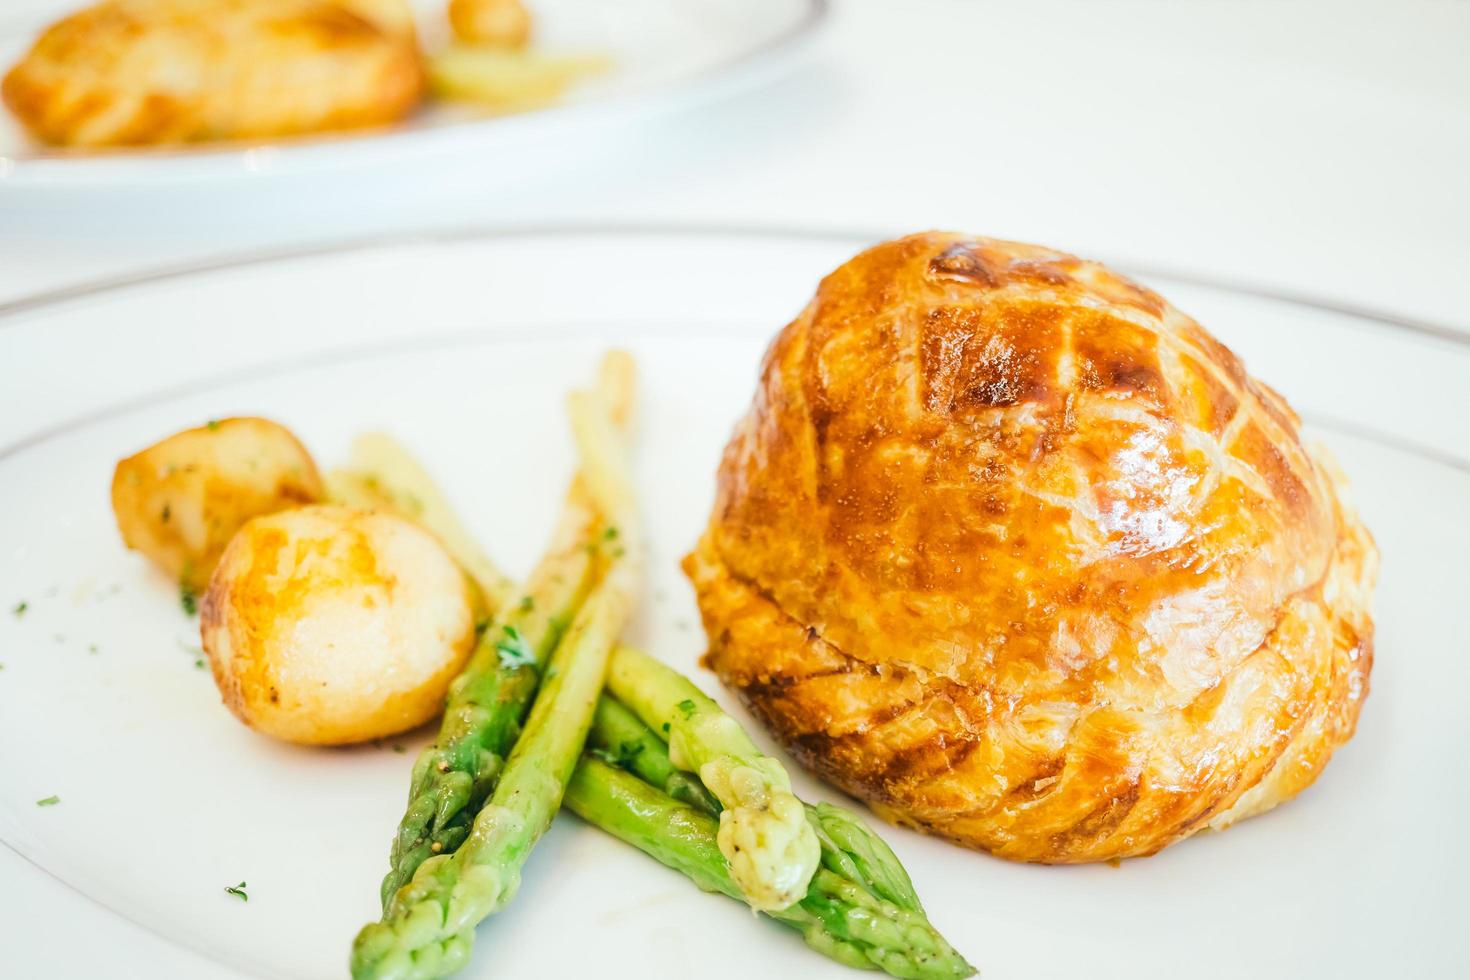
(1014, 550)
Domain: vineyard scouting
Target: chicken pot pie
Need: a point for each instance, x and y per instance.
(134, 72)
(1020, 554)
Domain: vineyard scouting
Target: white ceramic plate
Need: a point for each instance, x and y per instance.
(464, 346)
(664, 54)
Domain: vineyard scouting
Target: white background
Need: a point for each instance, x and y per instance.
(1319, 146)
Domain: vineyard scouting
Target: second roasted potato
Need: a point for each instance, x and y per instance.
(330, 625)
(181, 500)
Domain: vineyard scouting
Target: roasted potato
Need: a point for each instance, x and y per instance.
(181, 500)
(328, 625)
(136, 72)
(502, 23)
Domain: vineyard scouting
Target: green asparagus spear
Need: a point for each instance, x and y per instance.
(428, 927)
(622, 739)
(838, 916)
(850, 848)
(764, 833)
(490, 697)
(489, 700)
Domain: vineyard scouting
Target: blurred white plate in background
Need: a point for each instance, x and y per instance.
(664, 54)
(464, 345)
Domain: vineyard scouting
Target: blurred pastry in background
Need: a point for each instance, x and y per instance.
(393, 17)
(145, 72)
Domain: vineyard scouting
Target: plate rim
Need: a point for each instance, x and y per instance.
(861, 237)
(16, 310)
(321, 152)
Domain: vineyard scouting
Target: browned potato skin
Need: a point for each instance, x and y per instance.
(329, 625)
(501, 23)
(181, 500)
(147, 72)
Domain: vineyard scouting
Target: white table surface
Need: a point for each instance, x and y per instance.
(1320, 147)
(1317, 147)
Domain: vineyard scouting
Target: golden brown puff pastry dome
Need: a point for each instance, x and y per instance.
(1017, 552)
(133, 72)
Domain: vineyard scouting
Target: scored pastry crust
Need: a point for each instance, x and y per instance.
(1017, 552)
(136, 72)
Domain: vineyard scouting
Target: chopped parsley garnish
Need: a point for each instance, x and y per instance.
(400, 749)
(212, 425)
(527, 603)
(188, 600)
(91, 648)
(49, 801)
(20, 608)
(239, 891)
(513, 649)
(196, 652)
(610, 534)
(167, 513)
(687, 707)
(627, 752)
(666, 728)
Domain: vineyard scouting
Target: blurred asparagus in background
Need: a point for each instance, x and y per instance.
(507, 81)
